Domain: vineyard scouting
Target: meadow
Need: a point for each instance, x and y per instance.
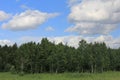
(62, 76)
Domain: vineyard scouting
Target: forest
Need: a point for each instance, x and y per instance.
(48, 57)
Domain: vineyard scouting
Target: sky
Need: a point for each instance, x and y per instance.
(66, 21)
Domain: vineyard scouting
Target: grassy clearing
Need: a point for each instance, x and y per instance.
(63, 76)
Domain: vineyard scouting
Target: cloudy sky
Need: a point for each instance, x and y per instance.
(60, 21)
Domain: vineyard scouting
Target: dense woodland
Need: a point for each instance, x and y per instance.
(51, 58)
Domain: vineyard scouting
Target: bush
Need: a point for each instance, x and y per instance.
(12, 70)
(21, 73)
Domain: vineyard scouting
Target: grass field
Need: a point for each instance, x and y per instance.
(63, 76)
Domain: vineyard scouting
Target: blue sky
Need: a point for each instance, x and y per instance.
(60, 20)
(59, 23)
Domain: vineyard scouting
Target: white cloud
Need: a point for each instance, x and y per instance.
(4, 16)
(49, 28)
(70, 40)
(29, 19)
(109, 40)
(92, 28)
(6, 42)
(94, 16)
(74, 40)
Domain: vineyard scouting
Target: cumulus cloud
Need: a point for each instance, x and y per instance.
(74, 40)
(92, 28)
(69, 40)
(5, 42)
(29, 19)
(4, 16)
(49, 28)
(94, 16)
(109, 40)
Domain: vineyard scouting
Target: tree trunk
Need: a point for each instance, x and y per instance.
(92, 69)
(51, 68)
(95, 68)
(56, 70)
(41, 69)
(22, 66)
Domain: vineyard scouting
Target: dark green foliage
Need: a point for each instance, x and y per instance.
(51, 58)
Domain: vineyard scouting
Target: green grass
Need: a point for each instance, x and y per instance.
(63, 76)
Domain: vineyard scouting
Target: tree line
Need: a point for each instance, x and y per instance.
(49, 57)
